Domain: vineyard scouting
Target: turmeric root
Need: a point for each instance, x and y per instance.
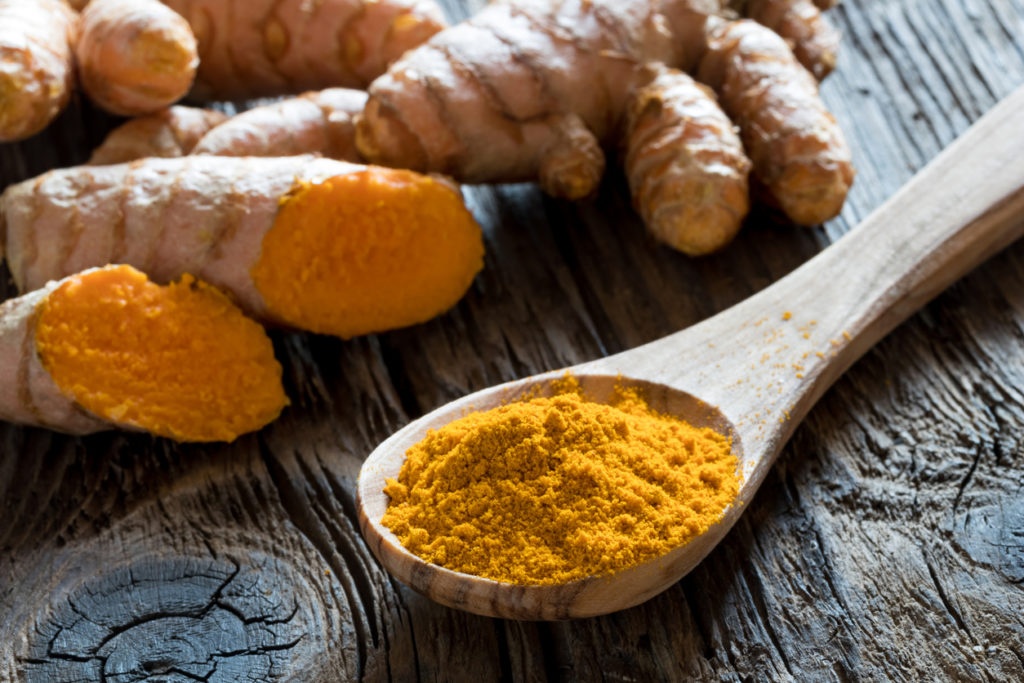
(501, 96)
(318, 122)
(135, 56)
(815, 41)
(171, 132)
(797, 148)
(530, 90)
(107, 348)
(273, 47)
(686, 167)
(304, 242)
(36, 64)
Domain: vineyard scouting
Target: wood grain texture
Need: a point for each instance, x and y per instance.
(886, 544)
(963, 207)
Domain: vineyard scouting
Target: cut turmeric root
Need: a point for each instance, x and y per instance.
(367, 251)
(107, 348)
(304, 242)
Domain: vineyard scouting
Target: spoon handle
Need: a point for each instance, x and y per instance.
(767, 360)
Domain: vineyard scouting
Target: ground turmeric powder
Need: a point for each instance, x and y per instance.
(546, 490)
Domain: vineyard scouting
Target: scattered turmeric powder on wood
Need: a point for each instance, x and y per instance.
(553, 489)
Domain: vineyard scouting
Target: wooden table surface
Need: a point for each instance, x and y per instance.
(887, 543)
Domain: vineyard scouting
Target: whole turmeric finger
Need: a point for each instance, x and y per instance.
(798, 151)
(171, 132)
(317, 122)
(107, 349)
(306, 242)
(135, 56)
(685, 164)
(815, 41)
(253, 48)
(36, 64)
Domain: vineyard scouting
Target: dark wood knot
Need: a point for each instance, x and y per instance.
(175, 620)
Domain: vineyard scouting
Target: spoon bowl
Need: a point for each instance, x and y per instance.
(585, 597)
(753, 371)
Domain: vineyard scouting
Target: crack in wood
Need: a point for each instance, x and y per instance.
(953, 613)
(967, 478)
(122, 628)
(306, 522)
(400, 382)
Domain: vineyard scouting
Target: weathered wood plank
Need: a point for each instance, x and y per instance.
(887, 544)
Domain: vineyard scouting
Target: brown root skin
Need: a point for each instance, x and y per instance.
(318, 122)
(489, 100)
(36, 64)
(815, 41)
(171, 132)
(384, 138)
(572, 166)
(135, 56)
(371, 50)
(351, 250)
(528, 90)
(290, 47)
(28, 395)
(686, 166)
(796, 146)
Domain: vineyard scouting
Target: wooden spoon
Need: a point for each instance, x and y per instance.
(754, 370)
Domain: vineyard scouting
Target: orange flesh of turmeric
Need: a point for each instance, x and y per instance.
(179, 361)
(368, 251)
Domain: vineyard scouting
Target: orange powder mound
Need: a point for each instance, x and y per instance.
(368, 251)
(554, 489)
(179, 361)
